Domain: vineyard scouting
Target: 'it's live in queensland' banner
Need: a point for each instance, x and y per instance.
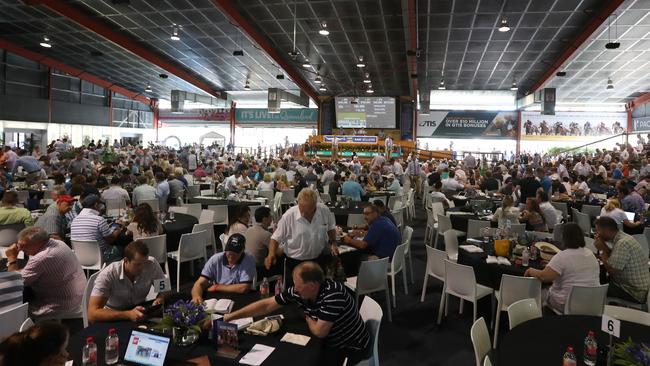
(468, 124)
(301, 116)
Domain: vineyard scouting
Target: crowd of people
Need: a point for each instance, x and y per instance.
(81, 180)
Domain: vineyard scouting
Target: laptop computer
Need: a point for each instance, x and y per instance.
(630, 215)
(145, 348)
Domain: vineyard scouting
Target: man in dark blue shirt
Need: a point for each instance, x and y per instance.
(382, 237)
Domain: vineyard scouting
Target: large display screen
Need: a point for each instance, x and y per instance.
(368, 112)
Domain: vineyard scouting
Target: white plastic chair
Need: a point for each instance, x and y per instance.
(394, 202)
(589, 244)
(451, 245)
(220, 214)
(444, 225)
(158, 249)
(192, 191)
(407, 234)
(154, 204)
(591, 210)
(372, 314)
(89, 255)
(115, 207)
(12, 319)
(207, 216)
(206, 192)
(586, 300)
(480, 340)
(398, 214)
(28, 323)
(397, 266)
(629, 304)
(288, 197)
(190, 248)
(643, 241)
(474, 227)
(511, 290)
(370, 279)
(193, 209)
(356, 219)
(179, 209)
(518, 229)
(268, 194)
(522, 311)
(562, 207)
(276, 207)
(432, 226)
(629, 315)
(85, 300)
(460, 281)
(210, 240)
(583, 221)
(435, 267)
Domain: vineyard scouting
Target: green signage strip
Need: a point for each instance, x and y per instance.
(306, 116)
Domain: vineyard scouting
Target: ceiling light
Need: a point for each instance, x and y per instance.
(279, 76)
(306, 63)
(612, 45)
(369, 90)
(247, 86)
(318, 79)
(148, 88)
(504, 25)
(322, 87)
(238, 53)
(514, 85)
(360, 63)
(46, 42)
(174, 36)
(610, 84)
(441, 86)
(367, 79)
(293, 54)
(323, 30)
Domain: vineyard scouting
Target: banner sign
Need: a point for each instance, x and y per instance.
(195, 116)
(571, 125)
(468, 124)
(641, 124)
(348, 139)
(303, 116)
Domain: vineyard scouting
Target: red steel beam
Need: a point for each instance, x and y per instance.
(228, 8)
(413, 63)
(591, 27)
(638, 101)
(110, 33)
(52, 63)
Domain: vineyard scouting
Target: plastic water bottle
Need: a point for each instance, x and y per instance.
(278, 286)
(112, 354)
(89, 353)
(264, 288)
(569, 357)
(591, 349)
(525, 257)
(171, 215)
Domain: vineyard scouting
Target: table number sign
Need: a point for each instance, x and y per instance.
(162, 285)
(611, 326)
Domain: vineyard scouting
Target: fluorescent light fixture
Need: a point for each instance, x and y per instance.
(442, 86)
(238, 53)
(610, 84)
(148, 88)
(323, 30)
(247, 86)
(367, 78)
(174, 36)
(322, 87)
(318, 79)
(360, 63)
(369, 90)
(46, 42)
(306, 63)
(504, 25)
(514, 85)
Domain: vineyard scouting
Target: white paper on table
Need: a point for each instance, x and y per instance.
(294, 338)
(257, 355)
(69, 363)
(346, 248)
(504, 261)
(242, 323)
(471, 248)
(491, 259)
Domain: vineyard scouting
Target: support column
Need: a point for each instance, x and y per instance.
(110, 108)
(518, 149)
(49, 94)
(156, 115)
(233, 107)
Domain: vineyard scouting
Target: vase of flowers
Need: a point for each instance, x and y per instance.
(183, 320)
(630, 353)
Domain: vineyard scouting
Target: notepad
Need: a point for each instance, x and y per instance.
(497, 260)
(257, 355)
(221, 306)
(471, 248)
(242, 323)
(298, 339)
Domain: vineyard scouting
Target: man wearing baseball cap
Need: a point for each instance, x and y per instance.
(53, 221)
(229, 271)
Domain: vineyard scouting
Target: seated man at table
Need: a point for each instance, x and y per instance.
(393, 185)
(258, 237)
(121, 287)
(383, 211)
(229, 271)
(438, 196)
(115, 191)
(10, 214)
(52, 272)
(53, 220)
(352, 189)
(382, 237)
(89, 225)
(625, 262)
(330, 312)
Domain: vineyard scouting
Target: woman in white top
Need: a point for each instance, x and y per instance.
(574, 266)
(144, 223)
(506, 212)
(613, 209)
(266, 184)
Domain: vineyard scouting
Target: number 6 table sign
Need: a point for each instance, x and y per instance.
(611, 326)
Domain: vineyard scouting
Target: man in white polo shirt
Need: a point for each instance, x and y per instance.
(308, 229)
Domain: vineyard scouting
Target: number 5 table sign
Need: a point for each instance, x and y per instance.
(161, 285)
